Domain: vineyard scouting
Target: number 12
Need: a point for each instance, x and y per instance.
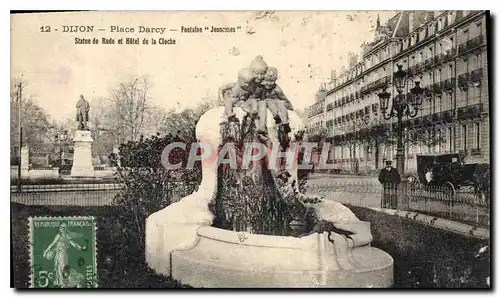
(45, 28)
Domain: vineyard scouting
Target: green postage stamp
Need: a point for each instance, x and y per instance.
(63, 252)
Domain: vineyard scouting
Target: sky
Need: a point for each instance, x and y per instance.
(304, 47)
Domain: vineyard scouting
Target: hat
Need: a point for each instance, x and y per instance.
(258, 63)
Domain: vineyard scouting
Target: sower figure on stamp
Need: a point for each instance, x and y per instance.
(82, 113)
(58, 251)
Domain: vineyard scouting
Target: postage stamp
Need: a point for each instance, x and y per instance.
(63, 252)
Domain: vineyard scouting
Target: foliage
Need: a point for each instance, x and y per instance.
(38, 128)
(148, 185)
(317, 136)
(376, 132)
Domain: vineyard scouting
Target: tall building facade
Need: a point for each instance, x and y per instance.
(446, 51)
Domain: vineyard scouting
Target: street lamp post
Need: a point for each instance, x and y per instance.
(61, 137)
(402, 105)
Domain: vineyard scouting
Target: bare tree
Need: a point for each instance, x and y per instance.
(129, 106)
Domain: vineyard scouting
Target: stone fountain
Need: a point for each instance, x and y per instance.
(196, 242)
(249, 225)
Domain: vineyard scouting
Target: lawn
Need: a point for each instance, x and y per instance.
(120, 258)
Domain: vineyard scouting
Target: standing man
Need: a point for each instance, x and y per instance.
(389, 178)
(82, 113)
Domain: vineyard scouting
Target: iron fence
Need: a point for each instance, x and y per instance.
(85, 194)
(463, 205)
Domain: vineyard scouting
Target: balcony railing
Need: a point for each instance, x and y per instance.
(463, 81)
(471, 44)
(449, 55)
(438, 59)
(329, 107)
(447, 116)
(436, 88)
(470, 111)
(448, 84)
(475, 42)
(427, 120)
(476, 75)
(427, 65)
(475, 152)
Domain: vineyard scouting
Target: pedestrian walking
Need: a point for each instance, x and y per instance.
(390, 179)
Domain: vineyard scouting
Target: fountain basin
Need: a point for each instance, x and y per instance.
(227, 259)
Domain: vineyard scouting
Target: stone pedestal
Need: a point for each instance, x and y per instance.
(82, 156)
(25, 161)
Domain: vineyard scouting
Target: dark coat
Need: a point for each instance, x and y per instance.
(389, 176)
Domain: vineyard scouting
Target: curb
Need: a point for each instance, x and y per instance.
(441, 223)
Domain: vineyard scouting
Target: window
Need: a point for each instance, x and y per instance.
(438, 104)
(477, 135)
(477, 61)
(450, 139)
(437, 146)
(463, 137)
(474, 95)
(450, 71)
(429, 141)
(480, 27)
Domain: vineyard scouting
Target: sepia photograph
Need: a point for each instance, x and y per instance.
(251, 149)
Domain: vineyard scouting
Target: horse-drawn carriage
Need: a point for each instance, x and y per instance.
(451, 172)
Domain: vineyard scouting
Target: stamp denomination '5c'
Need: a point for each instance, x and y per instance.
(63, 252)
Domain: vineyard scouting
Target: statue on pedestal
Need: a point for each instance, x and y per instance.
(82, 113)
